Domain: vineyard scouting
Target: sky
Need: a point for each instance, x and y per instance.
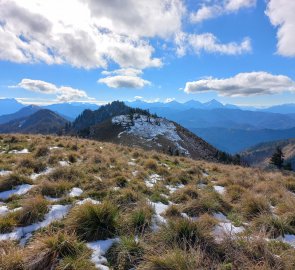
(236, 51)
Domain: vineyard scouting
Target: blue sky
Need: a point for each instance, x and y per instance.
(236, 51)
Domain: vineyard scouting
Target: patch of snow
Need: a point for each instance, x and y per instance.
(201, 185)
(172, 189)
(135, 173)
(131, 163)
(75, 192)
(185, 215)
(63, 163)
(160, 208)
(205, 174)
(226, 229)
(56, 212)
(24, 151)
(54, 147)
(219, 189)
(5, 173)
(3, 210)
(99, 249)
(221, 217)
(152, 180)
(19, 190)
(88, 200)
(34, 176)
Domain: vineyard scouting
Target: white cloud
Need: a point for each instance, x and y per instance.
(124, 82)
(124, 78)
(144, 18)
(281, 15)
(41, 31)
(94, 33)
(64, 93)
(219, 8)
(243, 84)
(209, 43)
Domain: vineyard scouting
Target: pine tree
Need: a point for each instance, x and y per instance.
(277, 158)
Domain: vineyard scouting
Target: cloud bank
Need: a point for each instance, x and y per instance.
(243, 84)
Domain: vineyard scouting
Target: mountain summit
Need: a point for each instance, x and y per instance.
(121, 124)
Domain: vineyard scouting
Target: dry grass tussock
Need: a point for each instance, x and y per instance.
(165, 212)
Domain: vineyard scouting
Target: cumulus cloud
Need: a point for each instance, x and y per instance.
(281, 15)
(148, 18)
(219, 8)
(209, 43)
(41, 31)
(124, 78)
(63, 93)
(243, 84)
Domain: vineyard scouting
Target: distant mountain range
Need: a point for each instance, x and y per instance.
(227, 127)
(119, 124)
(68, 110)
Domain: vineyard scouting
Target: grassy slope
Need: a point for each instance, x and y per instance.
(261, 202)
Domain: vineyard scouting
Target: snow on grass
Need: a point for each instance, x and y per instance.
(159, 208)
(225, 227)
(75, 192)
(88, 200)
(3, 210)
(34, 176)
(149, 128)
(99, 249)
(131, 163)
(64, 163)
(202, 185)
(54, 147)
(172, 189)
(56, 212)
(135, 173)
(219, 189)
(5, 173)
(24, 151)
(152, 180)
(18, 190)
(221, 217)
